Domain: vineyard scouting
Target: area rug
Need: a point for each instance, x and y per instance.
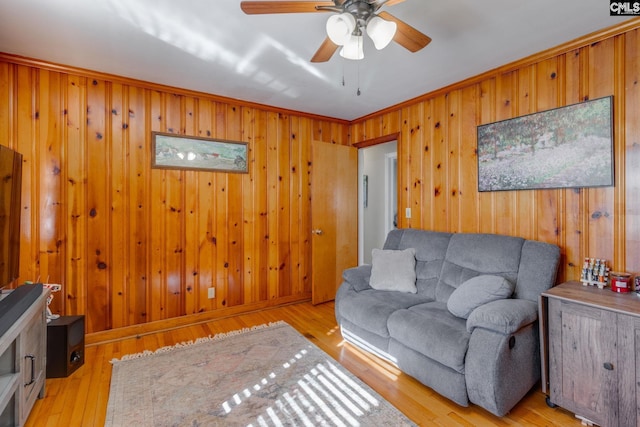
(268, 375)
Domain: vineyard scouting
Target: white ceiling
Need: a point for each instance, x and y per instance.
(212, 46)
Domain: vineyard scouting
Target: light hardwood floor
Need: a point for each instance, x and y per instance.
(81, 399)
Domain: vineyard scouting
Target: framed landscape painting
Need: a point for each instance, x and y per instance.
(567, 147)
(171, 151)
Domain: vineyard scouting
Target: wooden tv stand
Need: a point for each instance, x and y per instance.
(22, 353)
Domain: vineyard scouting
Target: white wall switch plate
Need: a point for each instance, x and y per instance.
(407, 213)
(211, 293)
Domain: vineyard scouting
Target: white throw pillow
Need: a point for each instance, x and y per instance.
(478, 291)
(393, 270)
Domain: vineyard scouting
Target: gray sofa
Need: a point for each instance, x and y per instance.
(487, 353)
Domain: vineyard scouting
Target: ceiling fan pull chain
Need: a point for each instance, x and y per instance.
(358, 92)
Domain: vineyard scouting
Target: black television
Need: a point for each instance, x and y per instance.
(10, 195)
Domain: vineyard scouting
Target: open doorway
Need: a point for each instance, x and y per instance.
(377, 196)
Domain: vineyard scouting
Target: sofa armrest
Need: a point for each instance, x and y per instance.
(505, 316)
(358, 277)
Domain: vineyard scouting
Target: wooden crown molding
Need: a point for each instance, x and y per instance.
(589, 39)
(66, 69)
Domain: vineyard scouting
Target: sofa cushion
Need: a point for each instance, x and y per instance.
(370, 309)
(470, 255)
(478, 291)
(431, 330)
(430, 246)
(393, 270)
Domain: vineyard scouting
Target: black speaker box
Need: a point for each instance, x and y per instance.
(65, 346)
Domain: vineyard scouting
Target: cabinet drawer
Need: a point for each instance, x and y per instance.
(33, 360)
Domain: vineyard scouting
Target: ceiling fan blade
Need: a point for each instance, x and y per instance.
(263, 7)
(407, 36)
(391, 2)
(325, 52)
(377, 4)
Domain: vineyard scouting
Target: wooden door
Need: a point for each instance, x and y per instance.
(334, 216)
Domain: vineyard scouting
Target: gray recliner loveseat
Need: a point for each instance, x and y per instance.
(468, 327)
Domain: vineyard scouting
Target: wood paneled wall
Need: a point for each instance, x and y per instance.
(437, 160)
(132, 244)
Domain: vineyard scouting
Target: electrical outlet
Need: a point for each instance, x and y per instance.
(211, 293)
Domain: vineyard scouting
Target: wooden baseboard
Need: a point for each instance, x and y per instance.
(136, 331)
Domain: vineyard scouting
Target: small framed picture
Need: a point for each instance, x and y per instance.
(171, 151)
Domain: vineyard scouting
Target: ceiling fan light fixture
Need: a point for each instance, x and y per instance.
(353, 48)
(340, 27)
(381, 31)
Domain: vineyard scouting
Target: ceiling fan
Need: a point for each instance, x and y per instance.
(347, 26)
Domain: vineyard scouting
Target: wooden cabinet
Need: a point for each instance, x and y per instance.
(590, 341)
(23, 363)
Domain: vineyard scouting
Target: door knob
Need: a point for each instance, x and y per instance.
(317, 231)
